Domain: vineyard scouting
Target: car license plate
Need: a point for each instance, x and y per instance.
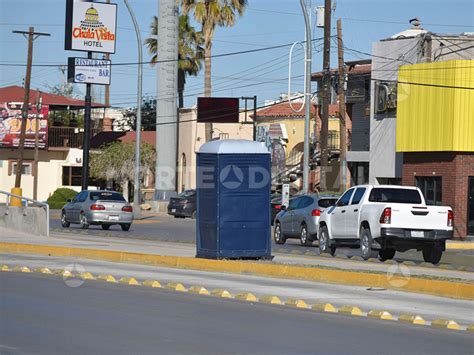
(173, 210)
(113, 218)
(417, 234)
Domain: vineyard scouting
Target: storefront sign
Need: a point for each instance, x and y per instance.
(89, 71)
(90, 26)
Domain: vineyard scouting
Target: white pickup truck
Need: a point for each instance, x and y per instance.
(383, 219)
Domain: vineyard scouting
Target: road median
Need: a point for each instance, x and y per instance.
(433, 286)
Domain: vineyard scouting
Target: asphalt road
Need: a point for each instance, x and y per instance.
(168, 229)
(42, 315)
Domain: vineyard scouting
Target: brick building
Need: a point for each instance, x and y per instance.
(435, 132)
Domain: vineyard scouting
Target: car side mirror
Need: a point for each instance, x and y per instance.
(283, 208)
(68, 200)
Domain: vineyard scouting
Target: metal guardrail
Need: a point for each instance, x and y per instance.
(29, 200)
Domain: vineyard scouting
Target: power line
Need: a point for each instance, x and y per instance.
(173, 60)
(401, 22)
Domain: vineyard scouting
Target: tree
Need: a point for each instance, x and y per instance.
(148, 116)
(190, 52)
(212, 13)
(116, 162)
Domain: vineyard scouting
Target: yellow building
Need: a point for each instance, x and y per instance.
(435, 132)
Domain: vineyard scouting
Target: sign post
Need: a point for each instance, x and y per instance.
(90, 27)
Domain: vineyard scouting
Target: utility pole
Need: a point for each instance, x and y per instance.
(342, 110)
(107, 93)
(307, 99)
(39, 108)
(325, 106)
(31, 35)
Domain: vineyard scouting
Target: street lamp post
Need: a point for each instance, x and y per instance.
(138, 128)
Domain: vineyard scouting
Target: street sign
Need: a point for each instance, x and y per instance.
(285, 195)
(88, 71)
(90, 26)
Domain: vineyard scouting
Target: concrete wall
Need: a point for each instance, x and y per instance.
(388, 55)
(24, 219)
(49, 171)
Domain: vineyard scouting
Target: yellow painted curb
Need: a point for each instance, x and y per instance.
(107, 278)
(459, 245)
(270, 299)
(445, 323)
(151, 283)
(176, 286)
(5, 268)
(412, 319)
(246, 296)
(221, 293)
(199, 290)
(293, 302)
(351, 310)
(380, 315)
(21, 269)
(87, 276)
(324, 307)
(470, 328)
(44, 270)
(443, 288)
(129, 281)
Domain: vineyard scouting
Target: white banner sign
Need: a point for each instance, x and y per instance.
(89, 71)
(91, 26)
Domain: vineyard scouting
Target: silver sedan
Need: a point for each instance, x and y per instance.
(98, 207)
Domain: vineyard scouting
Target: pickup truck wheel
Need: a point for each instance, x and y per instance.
(278, 235)
(386, 254)
(324, 242)
(432, 255)
(366, 250)
(304, 240)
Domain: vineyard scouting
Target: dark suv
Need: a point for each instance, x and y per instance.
(183, 205)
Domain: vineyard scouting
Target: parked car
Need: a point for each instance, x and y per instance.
(275, 206)
(98, 207)
(300, 219)
(183, 205)
(384, 219)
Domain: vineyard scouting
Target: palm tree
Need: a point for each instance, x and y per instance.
(190, 51)
(212, 13)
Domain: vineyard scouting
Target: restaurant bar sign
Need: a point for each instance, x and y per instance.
(88, 71)
(90, 26)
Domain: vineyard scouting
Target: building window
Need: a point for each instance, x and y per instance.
(431, 186)
(26, 169)
(72, 175)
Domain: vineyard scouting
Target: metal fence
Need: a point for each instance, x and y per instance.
(67, 137)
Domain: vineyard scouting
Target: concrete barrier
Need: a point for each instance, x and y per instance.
(32, 220)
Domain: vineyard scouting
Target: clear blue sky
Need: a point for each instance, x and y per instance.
(265, 23)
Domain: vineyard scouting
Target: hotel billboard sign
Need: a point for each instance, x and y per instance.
(90, 26)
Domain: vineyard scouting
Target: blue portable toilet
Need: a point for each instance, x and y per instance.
(233, 199)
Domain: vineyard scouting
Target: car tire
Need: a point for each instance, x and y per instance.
(83, 222)
(432, 254)
(105, 226)
(386, 254)
(194, 214)
(304, 237)
(324, 242)
(366, 250)
(125, 226)
(278, 235)
(64, 222)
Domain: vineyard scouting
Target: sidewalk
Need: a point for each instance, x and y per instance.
(324, 269)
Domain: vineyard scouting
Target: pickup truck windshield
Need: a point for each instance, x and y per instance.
(394, 195)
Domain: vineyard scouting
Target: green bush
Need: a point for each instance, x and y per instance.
(59, 198)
